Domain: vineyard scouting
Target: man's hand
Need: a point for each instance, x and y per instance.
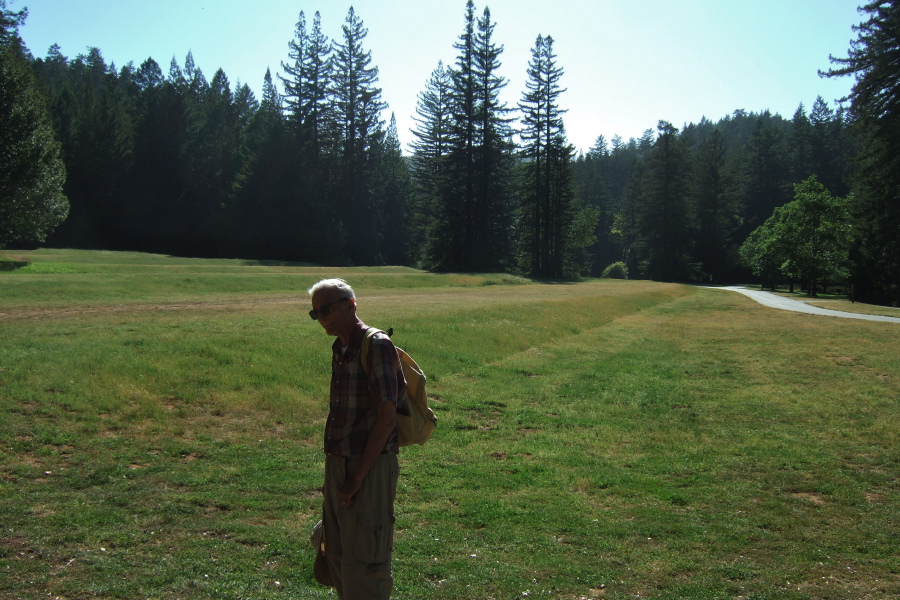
(385, 423)
(346, 491)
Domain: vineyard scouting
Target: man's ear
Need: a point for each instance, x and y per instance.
(352, 303)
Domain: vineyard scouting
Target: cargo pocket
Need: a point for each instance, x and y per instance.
(376, 538)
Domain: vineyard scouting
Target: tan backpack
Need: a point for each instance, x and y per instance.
(417, 426)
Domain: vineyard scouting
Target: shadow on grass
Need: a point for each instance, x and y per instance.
(12, 265)
(275, 263)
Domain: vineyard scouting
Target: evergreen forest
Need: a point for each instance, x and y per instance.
(163, 158)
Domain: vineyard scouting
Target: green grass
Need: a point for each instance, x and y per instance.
(67, 278)
(160, 438)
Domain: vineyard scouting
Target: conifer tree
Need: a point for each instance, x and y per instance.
(800, 145)
(663, 216)
(715, 208)
(429, 150)
(157, 180)
(9, 29)
(547, 197)
(591, 173)
(357, 112)
(473, 216)
(176, 75)
(625, 230)
(267, 208)
(272, 105)
(493, 204)
(766, 183)
(98, 144)
(825, 151)
(393, 187)
(874, 61)
(293, 83)
(450, 246)
(214, 159)
(307, 88)
(315, 91)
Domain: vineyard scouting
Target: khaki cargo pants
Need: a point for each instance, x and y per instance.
(359, 539)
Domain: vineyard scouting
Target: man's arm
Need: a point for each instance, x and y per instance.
(385, 422)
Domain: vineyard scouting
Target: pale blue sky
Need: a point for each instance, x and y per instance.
(628, 63)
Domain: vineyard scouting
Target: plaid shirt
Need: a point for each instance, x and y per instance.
(355, 397)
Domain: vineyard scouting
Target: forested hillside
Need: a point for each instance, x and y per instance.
(168, 160)
(706, 187)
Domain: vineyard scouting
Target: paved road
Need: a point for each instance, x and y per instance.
(782, 303)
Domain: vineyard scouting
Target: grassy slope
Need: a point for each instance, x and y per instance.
(160, 424)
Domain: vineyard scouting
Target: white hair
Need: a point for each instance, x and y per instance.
(334, 284)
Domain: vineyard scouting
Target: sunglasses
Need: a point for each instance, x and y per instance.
(324, 310)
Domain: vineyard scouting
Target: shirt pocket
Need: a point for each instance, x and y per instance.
(376, 537)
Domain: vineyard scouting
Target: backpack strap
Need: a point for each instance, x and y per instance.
(364, 349)
(364, 356)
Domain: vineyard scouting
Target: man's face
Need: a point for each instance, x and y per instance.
(341, 317)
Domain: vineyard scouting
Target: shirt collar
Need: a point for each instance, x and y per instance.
(356, 339)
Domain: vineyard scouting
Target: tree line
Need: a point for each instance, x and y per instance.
(676, 205)
(177, 163)
(173, 162)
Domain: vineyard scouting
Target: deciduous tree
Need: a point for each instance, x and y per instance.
(32, 174)
(818, 228)
(807, 239)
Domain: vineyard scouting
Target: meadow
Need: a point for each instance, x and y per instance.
(161, 419)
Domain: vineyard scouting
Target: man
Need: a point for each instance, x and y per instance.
(361, 448)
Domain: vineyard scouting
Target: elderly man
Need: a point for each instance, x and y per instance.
(361, 448)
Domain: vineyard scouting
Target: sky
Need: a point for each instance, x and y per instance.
(628, 63)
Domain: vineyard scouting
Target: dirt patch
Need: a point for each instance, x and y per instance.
(810, 497)
(68, 312)
(17, 546)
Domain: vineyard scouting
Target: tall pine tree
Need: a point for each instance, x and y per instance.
(715, 208)
(429, 150)
(493, 201)
(393, 187)
(547, 198)
(766, 184)
(450, 245)
(874, 61)
(663, 216)
(473, 216)
(357, 112)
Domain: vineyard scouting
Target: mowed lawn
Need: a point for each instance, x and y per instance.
(160, 425)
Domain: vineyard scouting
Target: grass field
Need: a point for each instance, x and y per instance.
(160, 424)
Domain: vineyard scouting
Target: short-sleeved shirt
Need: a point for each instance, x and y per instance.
(356, 393)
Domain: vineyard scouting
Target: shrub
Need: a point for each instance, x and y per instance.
(617, 270)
